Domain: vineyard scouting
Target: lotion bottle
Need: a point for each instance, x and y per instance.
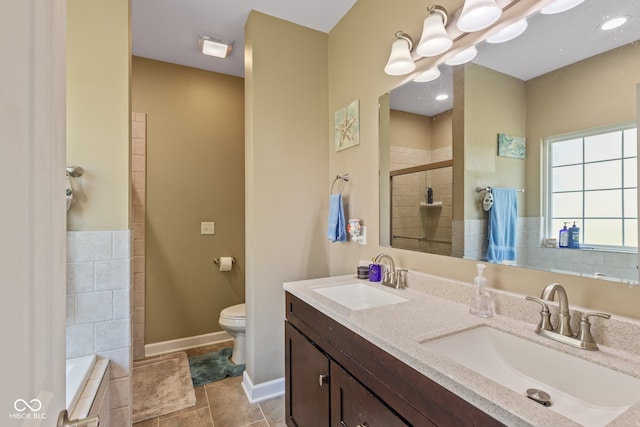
(563, 240)
(574, 236)
(481, 302)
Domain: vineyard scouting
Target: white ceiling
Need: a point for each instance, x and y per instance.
(550, 42)
(168, 30)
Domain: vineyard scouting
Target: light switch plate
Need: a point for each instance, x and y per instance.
(207, 227)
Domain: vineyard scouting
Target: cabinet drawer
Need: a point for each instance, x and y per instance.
(352, 405)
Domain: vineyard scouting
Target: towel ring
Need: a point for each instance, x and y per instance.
(343, 178)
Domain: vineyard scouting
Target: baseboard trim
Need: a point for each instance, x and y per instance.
(263, 391)
(158, 348)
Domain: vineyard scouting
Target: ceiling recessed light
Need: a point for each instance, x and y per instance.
(442, 97)
(613, 23)
(214, 47)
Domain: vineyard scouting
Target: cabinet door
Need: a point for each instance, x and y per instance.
(307, 381)
(352, 405)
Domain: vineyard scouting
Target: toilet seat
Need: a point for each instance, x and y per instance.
(235, 312)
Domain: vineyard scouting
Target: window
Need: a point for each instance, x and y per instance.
(592, 180)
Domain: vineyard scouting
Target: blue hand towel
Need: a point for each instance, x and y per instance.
(337, 231)
(503, 218)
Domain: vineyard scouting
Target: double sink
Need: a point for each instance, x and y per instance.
(583, 391)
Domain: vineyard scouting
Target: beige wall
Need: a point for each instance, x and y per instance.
(287, 187)
(596, 92)
(494, 103)
(410, 130)
(195, 173)
(357, 73)
(98, 64)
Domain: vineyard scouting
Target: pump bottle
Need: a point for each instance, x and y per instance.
(574, 236)
(482, 303)
(563, 240)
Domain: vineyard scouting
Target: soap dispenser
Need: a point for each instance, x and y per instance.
(481, 302)
(563, 240)
(574, 236)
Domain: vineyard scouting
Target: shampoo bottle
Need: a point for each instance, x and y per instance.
(481, 302)
(574, 236)
(563, 240)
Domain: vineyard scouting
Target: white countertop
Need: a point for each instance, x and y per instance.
(400, 328)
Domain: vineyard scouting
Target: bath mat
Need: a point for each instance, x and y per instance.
(215, 366)
(161, 385)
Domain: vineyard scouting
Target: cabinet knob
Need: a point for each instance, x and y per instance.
(323, 379)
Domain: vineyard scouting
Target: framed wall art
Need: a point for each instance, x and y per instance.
(347, 126)
(511, 146)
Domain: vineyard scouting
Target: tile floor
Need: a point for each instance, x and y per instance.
(222, 404)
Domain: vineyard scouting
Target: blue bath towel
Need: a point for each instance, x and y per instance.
(503, 218)
(337, 231)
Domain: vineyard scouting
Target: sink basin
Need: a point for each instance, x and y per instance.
(585, 392)
(359, 296)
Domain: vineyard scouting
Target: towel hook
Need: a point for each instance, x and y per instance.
(75, 171)
(343, 178)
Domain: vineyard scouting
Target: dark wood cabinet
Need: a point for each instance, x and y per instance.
(352, 405)
(307, 388)
(366, 386)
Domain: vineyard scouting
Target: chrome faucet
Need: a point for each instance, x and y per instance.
(392, 278)
(562, 331)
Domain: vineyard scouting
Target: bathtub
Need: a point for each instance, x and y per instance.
(78, 371)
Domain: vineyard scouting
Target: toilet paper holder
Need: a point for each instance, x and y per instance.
(217, 260)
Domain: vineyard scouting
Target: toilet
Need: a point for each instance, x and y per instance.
(234, 321)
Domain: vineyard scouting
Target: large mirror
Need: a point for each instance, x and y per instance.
(562, 82)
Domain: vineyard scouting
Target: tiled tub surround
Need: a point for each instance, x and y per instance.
(94, 399)
(99, 308)
(439, 307)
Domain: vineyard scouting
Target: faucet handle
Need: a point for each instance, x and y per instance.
(545, 315)
(584, 334)
(401, 278)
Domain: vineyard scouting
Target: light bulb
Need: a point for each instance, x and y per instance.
(427, 76)
(400, 61)
(435, 39)
(510, 32)
(477, 15)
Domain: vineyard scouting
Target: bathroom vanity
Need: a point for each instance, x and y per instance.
(335, 377)
(360, 354)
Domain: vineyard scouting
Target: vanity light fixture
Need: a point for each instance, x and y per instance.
(435, 39)
(510, 32)
(477, 15)
(442, 97)
(214, 47)
(613, 23)
(463, 57)
(560, 6)
(400, 61)
(429, 75)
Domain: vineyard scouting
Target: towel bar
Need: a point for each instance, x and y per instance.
(479, 190)
(344, 178)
